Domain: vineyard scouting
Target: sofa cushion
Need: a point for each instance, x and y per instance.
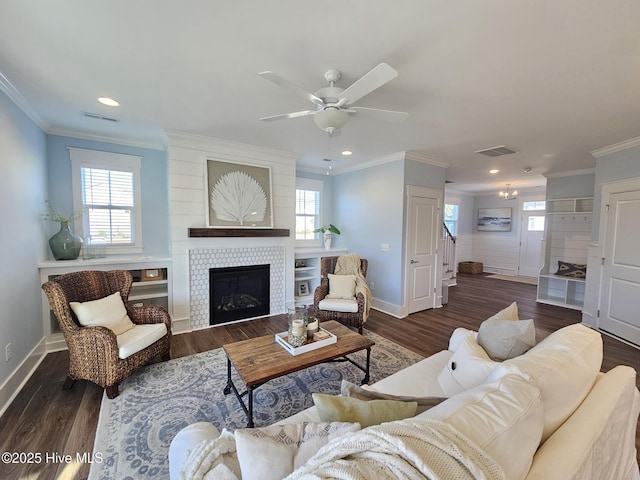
(504, 418)
(564, 366)
(272, 453)
(468, 367)
(339, 305)
(139, 338)
(458, 336)
(107, 312)
(373, 412)
(348, 389)
(417, 380)
(504, 339)
(342, 286)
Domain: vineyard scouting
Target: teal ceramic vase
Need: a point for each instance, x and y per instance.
(64, 244)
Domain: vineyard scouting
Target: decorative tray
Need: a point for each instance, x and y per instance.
(281, 339)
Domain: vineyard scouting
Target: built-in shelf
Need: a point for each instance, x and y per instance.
(567, 236)
(238, 232)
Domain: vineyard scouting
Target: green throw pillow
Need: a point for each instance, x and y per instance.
(374, 412)
(352, 390)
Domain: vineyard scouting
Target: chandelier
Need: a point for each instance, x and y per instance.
(508, 194)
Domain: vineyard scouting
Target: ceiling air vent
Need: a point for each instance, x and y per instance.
(496, 151)
(100, 117)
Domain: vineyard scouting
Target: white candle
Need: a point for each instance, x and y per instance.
(297, 328)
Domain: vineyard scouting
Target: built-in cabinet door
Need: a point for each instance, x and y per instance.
(422, 242)
(621, 269)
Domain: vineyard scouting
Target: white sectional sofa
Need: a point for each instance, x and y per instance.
(543, 415)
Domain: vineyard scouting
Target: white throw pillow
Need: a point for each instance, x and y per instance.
(272, 453)
(509, 313)
(504, 418)
(504, 339)
(468, 367)
(107, 312)
(342, 286)
(564, 366)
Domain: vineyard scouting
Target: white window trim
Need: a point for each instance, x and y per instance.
(318, 186)
(81, 157)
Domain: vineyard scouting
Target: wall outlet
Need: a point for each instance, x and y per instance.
(7, 352)
(372, 285)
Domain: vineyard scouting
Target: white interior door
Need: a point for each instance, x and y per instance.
(531, 235)
(621, 269)
(422, 241)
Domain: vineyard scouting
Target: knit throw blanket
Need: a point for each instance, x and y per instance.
(350, 265)
(416, 448)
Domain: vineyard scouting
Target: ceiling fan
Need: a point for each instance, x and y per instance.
(333, 105)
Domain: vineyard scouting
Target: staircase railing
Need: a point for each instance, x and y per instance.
(449, 255)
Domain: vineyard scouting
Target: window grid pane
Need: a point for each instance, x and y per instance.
(307, 214)
(108, 199)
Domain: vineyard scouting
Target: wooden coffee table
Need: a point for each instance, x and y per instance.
(261, 359)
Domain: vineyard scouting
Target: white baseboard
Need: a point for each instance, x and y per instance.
(16, 381)
(389, 308)
(180, 325)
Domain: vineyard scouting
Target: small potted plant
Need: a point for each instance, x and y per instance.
(327, 232)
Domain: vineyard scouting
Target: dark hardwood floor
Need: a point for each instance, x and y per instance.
(47, 421)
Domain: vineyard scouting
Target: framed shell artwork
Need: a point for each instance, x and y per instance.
(238, 195)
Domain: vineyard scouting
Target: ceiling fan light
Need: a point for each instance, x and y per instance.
(330, 119)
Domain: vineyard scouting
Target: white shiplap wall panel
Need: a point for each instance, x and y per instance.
(187, 167)
(498, 253)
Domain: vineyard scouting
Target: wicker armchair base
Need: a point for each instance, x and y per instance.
(93, 351)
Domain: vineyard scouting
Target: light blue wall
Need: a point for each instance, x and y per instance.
(574, 186)
(465, 211)
(23, 185)
(617, 166)
(327, 197)
(368, 207)
(154, 185)
(492, 201)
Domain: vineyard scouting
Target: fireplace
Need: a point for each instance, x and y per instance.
(238, 292)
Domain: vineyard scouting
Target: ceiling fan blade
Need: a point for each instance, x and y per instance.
(288, 84)
(388, 115)
(303, 113)
(377, 77)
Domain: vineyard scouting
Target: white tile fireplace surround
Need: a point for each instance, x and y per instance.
(202, 259)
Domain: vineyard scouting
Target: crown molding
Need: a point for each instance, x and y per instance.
(159, 145)
(616, 147)
(16, 97)
(570, 173)
(424, 158)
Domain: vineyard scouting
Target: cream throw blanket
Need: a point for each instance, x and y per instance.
(416, 448)
(350, 265)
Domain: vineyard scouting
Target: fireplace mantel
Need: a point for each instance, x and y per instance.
(238, 232)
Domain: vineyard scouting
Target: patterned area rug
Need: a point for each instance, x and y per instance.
(515, 278)
(136, 428)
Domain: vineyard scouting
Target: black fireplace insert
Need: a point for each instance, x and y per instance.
(236, 293)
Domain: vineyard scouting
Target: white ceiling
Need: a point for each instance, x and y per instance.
(551, 80)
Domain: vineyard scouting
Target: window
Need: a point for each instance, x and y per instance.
(106, 189)
(535, 223)
(451, 218)
(308, 201)
(538, 205)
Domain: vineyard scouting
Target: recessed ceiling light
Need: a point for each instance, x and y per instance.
(494, 171)
(346, 153)
(110, 102)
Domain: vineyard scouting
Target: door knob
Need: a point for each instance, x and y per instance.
(415, 261)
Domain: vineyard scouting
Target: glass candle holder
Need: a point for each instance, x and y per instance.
(297, 334)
